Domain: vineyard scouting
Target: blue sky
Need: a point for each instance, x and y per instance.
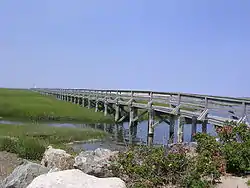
(189, 46)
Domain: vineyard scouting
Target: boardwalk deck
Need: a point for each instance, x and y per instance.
(193, 108)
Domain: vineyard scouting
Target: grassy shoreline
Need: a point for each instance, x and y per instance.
(29, 141)
(24, 105)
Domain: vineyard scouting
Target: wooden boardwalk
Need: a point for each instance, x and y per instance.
(166, 106)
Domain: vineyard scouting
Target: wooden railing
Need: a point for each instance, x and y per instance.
(238, 107)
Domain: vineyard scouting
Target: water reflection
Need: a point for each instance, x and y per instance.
(120, 132)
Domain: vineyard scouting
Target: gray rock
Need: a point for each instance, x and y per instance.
(57, 159)
(74, 178)
(23, 175)
(95, 162)
(54, 170)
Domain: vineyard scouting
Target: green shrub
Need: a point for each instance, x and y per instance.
(27, 148)
(9, 144)
(206, 167)
(248, 182)
(210, 160)
(30, 148)
(150, 167)
(236, 147)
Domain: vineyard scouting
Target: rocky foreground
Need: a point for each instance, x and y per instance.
(60, 169)
(89, 169)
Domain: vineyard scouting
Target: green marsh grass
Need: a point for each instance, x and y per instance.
(26, 105)
(30, 141)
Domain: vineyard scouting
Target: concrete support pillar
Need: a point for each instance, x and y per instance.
(83, 102)
(116, 132)
(96, 105)
(204, 126)
(194, 128)
(117, 112)
(132, 124)
(89, 103)
(105, 127)
(171, 129)
(150, 127)
(180, 131)
(105, 108)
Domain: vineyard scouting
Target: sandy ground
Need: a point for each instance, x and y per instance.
(233, 182)
(8, 162)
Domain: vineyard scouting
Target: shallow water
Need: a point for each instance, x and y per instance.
(107, 144)
(120, 134)
(10, 122)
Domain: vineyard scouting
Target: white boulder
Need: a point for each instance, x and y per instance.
(74, 178)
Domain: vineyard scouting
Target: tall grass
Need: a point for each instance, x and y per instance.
(28, 105)
(30, 141)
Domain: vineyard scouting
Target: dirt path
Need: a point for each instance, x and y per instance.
(233, 182)
(8, 162)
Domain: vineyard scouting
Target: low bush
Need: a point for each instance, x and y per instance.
(30, 148)
(206, 167)
(9, 144)
(235, 142)
(248, 182)
(148, 167)
(27, 148)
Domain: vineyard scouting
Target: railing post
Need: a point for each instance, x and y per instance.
(170, 98)
(206, 103)
(179, 98)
